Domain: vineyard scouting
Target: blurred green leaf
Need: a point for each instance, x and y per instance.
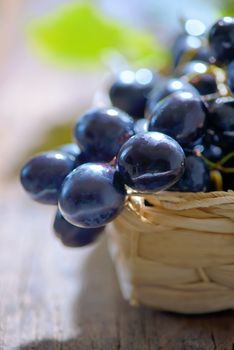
(227, 8)
(79, 33)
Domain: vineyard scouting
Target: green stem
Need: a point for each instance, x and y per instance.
(217, 179)
(227, 170)
(219, 166)
(208, 162)
(226, 158)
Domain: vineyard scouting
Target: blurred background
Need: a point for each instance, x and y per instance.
(54, 56)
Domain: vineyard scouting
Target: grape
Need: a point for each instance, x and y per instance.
(204, 83)
(230, 76)
(92, 195)
(221, 118)
(75, 151)
(199, 76)
(101, 132)
(141, 125)
(204, 54)
(190, 48)
(211, 146)
(82, 158)
(211, 137)
(213, 153)
(195, 178)
(185, 45)
(150, 162)
(43, 175)
(73, 236)
(130, 91)
(221, 38)
(210, 151)
(194, 67)
(169, 87)
(70, 148)
(181, 115)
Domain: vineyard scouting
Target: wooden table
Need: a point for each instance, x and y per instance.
(53, 297)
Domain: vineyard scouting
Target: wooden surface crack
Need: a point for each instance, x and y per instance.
(213, 340)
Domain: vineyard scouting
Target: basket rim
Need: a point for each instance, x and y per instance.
(181, 200)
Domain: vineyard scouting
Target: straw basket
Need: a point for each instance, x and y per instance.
(175, 251)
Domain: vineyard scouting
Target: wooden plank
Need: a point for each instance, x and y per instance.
(53, 298)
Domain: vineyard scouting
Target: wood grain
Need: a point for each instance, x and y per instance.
(54, 298)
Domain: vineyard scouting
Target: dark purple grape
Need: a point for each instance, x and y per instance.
(195, 178)
(82, 158)
(101, 132)
(212, 148)
(221, 38)
(92, 195)
(185, 45)
(221, 119)
(130, 91)
(182, 116)
(204, 54)
(200, 77)
(70, 148)
(150, 162)
(189, 48)
(168, 88)
(74, 150)
(204, 83)
(43, 175)
(211, 137)
(73, 236)
(212, 152)
(194, 67)
(230, 76)
(141, 125)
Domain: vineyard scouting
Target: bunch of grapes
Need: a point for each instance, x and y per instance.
(161, 133)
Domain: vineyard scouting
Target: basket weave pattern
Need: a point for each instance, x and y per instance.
(177, 252)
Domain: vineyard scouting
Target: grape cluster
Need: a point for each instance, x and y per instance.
(173, 132)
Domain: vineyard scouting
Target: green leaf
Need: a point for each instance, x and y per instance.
(79, 33)
(227, 8)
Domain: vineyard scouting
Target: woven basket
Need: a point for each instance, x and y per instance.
(175, 251)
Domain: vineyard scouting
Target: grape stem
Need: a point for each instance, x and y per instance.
(217, 179)
(227, 158)
(219, 165)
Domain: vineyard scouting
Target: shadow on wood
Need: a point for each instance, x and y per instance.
(105, 322)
